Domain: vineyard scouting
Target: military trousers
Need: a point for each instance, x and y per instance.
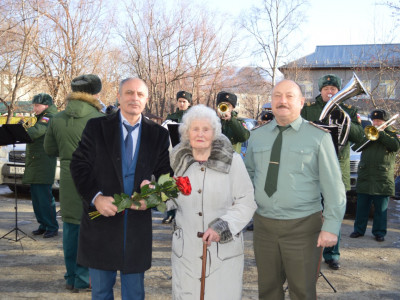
(76, 275)
(379, 224)
(44, 206)
(287, 250)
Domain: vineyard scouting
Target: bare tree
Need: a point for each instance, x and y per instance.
(18, 30)
(271, 25)
(72, 41)
(176, 48)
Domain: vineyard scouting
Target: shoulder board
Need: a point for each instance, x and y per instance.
(319, 127)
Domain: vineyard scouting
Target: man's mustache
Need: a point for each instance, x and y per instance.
(282, 106)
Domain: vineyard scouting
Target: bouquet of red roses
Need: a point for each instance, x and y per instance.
(155, 194)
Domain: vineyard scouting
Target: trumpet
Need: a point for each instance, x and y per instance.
(222, 109)
(372, 132)
(28, 123)
(353, 88)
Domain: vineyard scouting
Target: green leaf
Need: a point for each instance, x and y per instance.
(164, 197)
(164, 178)
(152, 200)
(126, 202)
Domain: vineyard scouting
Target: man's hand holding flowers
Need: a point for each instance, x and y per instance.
(153, 194)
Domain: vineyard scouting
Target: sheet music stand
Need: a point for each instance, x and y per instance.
(11, 134)
(173, 130)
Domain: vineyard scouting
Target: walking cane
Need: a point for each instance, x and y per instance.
(203, 267)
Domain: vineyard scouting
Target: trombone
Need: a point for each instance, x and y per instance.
(372, 132)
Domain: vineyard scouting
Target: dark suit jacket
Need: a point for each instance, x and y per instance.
(97, 166)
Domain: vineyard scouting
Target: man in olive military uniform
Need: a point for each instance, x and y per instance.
(329, 85)
(232, 127)
(40, 168)
(375, 182)
(184, 100)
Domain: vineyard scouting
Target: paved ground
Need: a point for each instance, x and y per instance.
(33, 269)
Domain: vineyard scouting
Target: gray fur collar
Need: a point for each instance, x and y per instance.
(220, 158)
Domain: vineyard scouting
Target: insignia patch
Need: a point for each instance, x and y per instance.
(358, 118)
(319, 127)
(227, 96)
(45, 120)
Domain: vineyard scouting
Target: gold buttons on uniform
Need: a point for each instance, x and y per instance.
(200, 214)
(199, 191)
(202, 169)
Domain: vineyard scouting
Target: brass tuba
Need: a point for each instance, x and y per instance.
(353, 88)
(222, 109)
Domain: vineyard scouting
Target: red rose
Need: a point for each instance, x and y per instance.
(183, 184)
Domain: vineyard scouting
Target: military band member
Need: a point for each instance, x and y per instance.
(184, 100)
(40, 168)
(329, 85)
(232, 127)
(375, 182)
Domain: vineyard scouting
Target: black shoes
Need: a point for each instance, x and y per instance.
(333, 264)
(50, 234)
(379, 238)
(168, 220)
(38, 231)
(355, 235)
(250, 227)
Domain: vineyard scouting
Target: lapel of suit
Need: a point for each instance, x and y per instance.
(112, 137)
(145, 150)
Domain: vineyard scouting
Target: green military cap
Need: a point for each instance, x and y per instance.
(89, 83)
(42, 98)
(184, 95)
(331, 80)
(379, 114)
(226, 97)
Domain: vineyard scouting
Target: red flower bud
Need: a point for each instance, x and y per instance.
(183, 184)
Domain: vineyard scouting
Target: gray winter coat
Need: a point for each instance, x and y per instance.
(221, 190)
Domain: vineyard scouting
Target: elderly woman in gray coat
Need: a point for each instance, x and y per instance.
(220, 205)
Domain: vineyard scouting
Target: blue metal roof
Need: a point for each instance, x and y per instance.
(349, 56)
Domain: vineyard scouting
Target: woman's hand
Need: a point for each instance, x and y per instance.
(210, 236)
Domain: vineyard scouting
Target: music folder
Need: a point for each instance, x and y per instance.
(173, 130)
(13, 134)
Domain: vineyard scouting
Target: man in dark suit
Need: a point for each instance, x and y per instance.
(114, 158)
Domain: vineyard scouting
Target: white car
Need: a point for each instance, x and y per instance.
(12, 164)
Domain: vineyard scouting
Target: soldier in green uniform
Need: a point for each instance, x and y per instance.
(375, 183)
(184, 100)
(232, 127)
(329, 85)
(40, 168)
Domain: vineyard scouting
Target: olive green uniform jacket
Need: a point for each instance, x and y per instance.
(376, 167)
(40, 168)
(177, 116)
(62, 139)
(312, 111)
(235, 130)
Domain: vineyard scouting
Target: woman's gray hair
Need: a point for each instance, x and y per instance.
(199, 112)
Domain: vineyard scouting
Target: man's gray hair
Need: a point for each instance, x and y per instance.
(129, 79)
(199, 112)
